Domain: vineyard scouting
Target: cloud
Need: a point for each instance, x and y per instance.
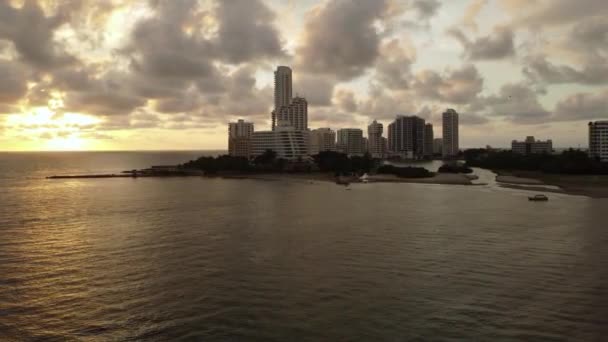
(538, 69)
(471, 12)
(315, 88)
(340, 38)
(107, 95)
(345, 100)
(13, 81)
(458, 86)
(426, 8)
(553, 12)
(582, 106)
(33, 33)
(393, 69)
(246, 31)
(498, 45)
(518, 104)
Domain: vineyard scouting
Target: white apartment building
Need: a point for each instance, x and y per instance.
(287, 142)
(239, 138)
(450, 133)
(376, 146)
(350, 141)
(282, 91)
(532, 146)
(322, 139)
(295, 113)
(598, 140)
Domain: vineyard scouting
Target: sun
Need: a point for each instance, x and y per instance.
(56, 131)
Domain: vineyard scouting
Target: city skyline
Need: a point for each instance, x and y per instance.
(176, 73)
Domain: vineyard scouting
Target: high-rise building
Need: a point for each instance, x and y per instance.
(350, 141)
(287, 142)
(295, 114)
(406, 137)
(450, 133)
(437, 146)
(322, 139)
(376, 148)
(532, 146)
(282, 91)
(239, 138)
(598, 140)
(428, 140)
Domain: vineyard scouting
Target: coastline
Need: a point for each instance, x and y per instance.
(594, 186)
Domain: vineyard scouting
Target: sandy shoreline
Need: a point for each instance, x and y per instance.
(439, 178)
(595, 186)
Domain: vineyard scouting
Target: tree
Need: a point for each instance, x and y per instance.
(267, 157)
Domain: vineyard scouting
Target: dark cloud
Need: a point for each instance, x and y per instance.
(497, 45)
(13, 81)
(518, 104)
(457, 86)
(554, 12)
(107, 95)
(32, 33)
(539, 69)
(426, 8)
(315, 88)
(472, 119)
(582, 106)
(340, 38)
(246, 31)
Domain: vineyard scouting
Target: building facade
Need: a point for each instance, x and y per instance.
(287, 142)
(598, 140)
(295, 114)
(450, 133)
(322, 139)
(376, 146)
(438, 146)
(532, 146)
(428, 140)
(239, 138)
(406, 137)
(350, 141)
(282, 91)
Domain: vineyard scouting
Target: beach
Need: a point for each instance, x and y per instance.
(595, 186)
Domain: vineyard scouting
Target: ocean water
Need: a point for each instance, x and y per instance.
(166, 259)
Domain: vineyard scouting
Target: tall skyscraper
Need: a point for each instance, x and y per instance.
(450, 133)
(295, 114)
(376, 148)
(598, 140)
(350, 141)
(282, 91)
(239, 138)
(428, 140)
(406, 137)
(322, 139)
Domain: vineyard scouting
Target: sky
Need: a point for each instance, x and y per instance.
(170, 75)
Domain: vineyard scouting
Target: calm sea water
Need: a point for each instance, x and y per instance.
(211, 259)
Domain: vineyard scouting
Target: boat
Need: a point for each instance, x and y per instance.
(538, 198)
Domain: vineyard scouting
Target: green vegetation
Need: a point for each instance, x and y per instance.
(405, 172)
(268, 162)
(573, 162)
(340, 163)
